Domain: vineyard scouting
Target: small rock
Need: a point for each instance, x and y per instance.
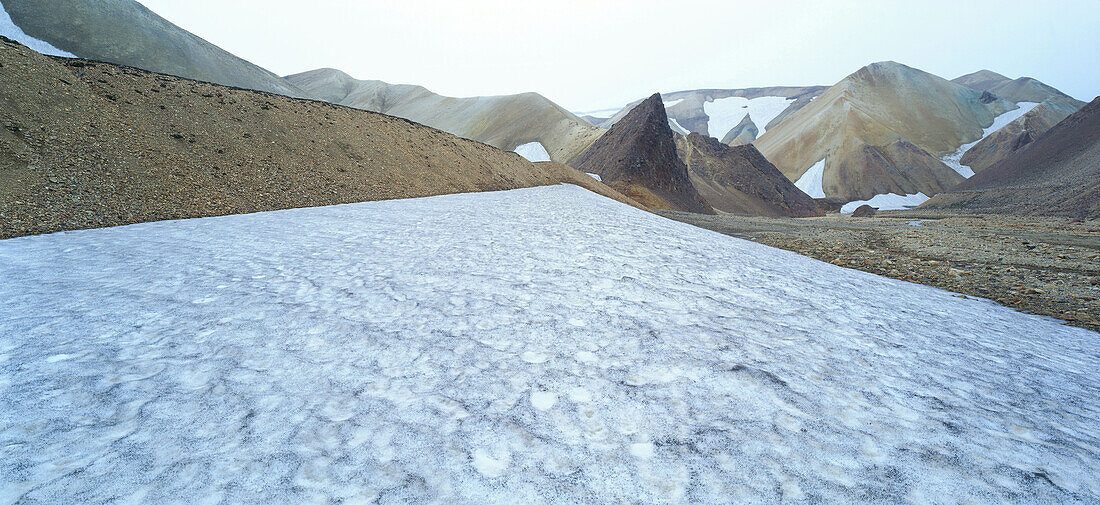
(864, 211)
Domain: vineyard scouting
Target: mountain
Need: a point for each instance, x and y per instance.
(86, 144)
(880, 131)
(638, 157)
(739, 180)
(505, 122)
(126, 33)
(1057, 174)
(724, 113)
(1017, 134)
(1023, 89)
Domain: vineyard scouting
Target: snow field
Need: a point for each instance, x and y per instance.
(810, 182)
(533, 151)
(726, 113)
(543, 345)
(887, 201)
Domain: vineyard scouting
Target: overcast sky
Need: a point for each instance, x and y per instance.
(591, 54)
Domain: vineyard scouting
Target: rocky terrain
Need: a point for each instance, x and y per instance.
(638, 157)
(502, 121)
(1058, 174)
(1048, 266)
(127, 33)
(739, 180)
(87, 145)
(881, 130)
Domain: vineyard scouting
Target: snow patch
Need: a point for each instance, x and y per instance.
(954, 160)
(533, 151)
(677, 128)
(726, 113)
(674, 102)
(9, 29)
(596, 176)
(372, 352)
(887, 201)
(810, 182)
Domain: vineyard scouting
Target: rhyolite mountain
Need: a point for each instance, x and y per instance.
(127, 33)
(1057, 174)
(505, 122)
(88, 144)
(1000, 144)
(638, 157)
(739, 180)
(881, 130)
(1023, 89)
(1054, 106)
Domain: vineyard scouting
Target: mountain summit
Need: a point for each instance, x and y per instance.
(638, 157)
(879, 131)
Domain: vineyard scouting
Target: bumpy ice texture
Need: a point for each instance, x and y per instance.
(542, 345)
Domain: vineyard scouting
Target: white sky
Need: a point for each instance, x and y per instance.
(592, 54)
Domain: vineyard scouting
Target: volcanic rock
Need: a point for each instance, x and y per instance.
(864, 211)
(638, 157)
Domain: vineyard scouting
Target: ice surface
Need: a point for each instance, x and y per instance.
(954, 160)
(9, 29)
(810, 182)
(543, 345)
(726, 113)
(533, 151)
(674, 102)
(887, 201)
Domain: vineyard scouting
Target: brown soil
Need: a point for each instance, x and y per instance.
(87, 145)
(1048, 266)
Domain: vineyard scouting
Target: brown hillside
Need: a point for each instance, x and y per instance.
(1058, 174)
(87, 145)
(739, 180)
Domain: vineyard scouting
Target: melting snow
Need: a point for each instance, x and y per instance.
(9, 29)
(543, 345)
(887, 201)
(954, 160)
(533, 151)
(726, 113)
(810, 182)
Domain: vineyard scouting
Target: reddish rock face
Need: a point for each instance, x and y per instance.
(638, 156)
(864, 211)
(739, 180)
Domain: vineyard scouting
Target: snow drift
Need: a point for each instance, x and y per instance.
(528, 346)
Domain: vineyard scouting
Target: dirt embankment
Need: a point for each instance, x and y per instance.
(87, 145)
(1048, 266)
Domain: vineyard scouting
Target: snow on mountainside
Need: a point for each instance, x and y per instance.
(954, 160)
(527, 346)
(533, 151)
(9, 29)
